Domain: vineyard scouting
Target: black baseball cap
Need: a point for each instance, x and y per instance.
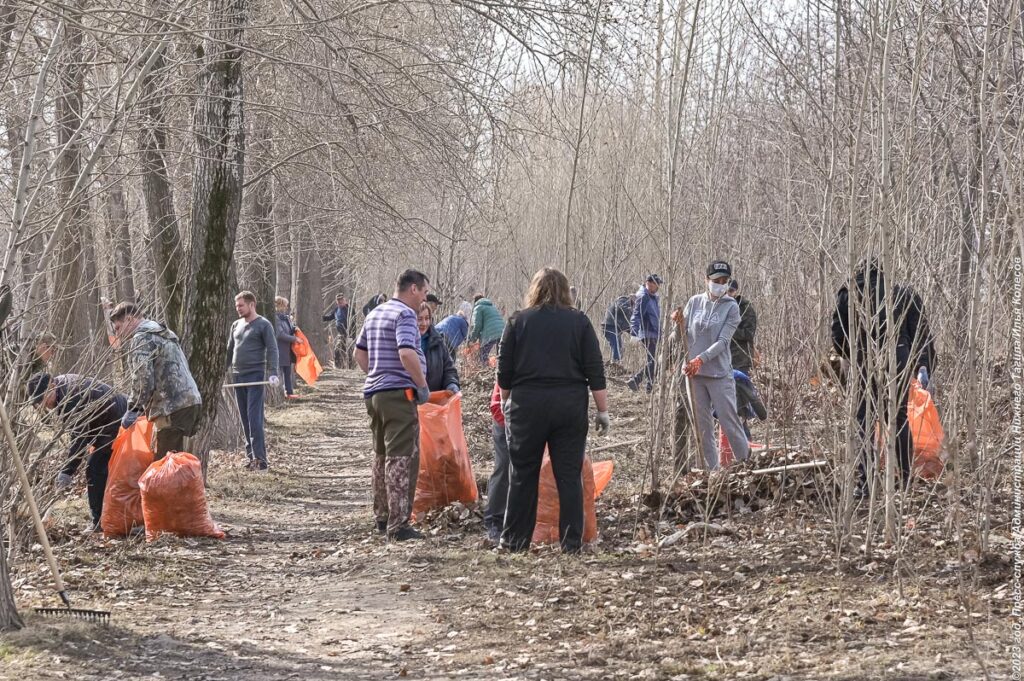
(431, 298)
(37, 386)
(719, 268)
(655, 278)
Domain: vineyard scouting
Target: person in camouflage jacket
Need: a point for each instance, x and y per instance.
(162, 386)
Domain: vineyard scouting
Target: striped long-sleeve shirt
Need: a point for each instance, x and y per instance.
(390, 327)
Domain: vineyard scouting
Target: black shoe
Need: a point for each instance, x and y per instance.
(260, 466)
(861, 491)
(405, 534)
(382, 527)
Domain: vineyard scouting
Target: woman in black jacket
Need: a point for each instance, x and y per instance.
(441, 372)
(548, 359)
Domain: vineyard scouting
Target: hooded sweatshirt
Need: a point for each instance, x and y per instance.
(161, 382)
(710, 325)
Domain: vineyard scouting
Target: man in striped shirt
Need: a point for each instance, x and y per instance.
(388, 350)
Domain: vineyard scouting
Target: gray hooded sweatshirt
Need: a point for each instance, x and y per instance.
(710, 325)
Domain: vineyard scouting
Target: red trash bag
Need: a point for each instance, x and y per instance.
(926, 433)
(122, 500)
(446, 474)
(595, 478)
(174, 498)
(307, 366)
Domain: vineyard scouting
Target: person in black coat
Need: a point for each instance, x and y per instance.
(861, 305)
(549, 358)
(91, 411)
(441, 371)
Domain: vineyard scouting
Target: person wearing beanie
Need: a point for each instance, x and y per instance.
(91, 412)
(645, 325)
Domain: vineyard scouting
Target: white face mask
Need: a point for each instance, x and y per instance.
(717, 290)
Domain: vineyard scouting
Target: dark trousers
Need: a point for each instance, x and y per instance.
(497, 486)
(614, 342)
(171, 430)
(250, 409)
(646, 375)
(342, 358)
(485, 349)
(288, 378)
(878, 394)
(555, 417)
(95, 469)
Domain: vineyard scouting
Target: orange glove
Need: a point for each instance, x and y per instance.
(693, 366)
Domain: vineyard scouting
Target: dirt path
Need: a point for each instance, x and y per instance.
(305, 589)
(302, 588)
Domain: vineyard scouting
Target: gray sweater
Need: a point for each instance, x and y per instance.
(252, 347)
(710, 325)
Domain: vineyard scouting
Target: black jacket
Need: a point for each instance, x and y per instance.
(441, 371)
(742, 345)
(550, 347)
(90, 410)
(914, 343)
(616, 319)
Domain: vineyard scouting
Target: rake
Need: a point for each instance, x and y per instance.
(100, 616)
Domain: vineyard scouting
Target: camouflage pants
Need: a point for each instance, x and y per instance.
(396, 444)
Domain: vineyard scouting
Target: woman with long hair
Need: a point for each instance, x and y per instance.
(548, 359)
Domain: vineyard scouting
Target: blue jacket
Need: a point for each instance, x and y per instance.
(340, 317)
(646, 319)
(454, 328)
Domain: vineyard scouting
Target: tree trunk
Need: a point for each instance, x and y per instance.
(69, 316)
(219, 138)
(120, 243)
(308, 303)
(158, 190)
(9, 617)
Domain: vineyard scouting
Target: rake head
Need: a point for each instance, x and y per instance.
(97, 616)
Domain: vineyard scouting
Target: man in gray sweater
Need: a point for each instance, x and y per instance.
(252, 355)
(711, 319)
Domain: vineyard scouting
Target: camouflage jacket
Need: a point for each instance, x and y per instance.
(161, 382)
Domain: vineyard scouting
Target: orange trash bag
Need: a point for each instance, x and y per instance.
(596, 477)
(174, 498)
(925, 432)
(446, 474)
(122, 500)
(306, 364)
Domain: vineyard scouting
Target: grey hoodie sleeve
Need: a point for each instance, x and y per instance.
(732, 320)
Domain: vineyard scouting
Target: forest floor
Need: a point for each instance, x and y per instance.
(304, 588)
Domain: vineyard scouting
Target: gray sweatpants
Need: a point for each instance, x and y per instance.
(718, 396)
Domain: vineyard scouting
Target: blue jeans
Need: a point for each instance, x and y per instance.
(250, 409)
(288, 378)
(646, 374)
(614, 342)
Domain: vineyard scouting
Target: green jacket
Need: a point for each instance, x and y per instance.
(488, 324)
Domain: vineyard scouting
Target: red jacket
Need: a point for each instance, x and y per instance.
(496, 413)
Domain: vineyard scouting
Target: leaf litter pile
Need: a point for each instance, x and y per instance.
(727, 576)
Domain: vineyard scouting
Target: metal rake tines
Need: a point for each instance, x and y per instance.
(99, 616)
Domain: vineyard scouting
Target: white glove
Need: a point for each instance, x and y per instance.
(274, 381)
(602, 423)
(64, 481)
